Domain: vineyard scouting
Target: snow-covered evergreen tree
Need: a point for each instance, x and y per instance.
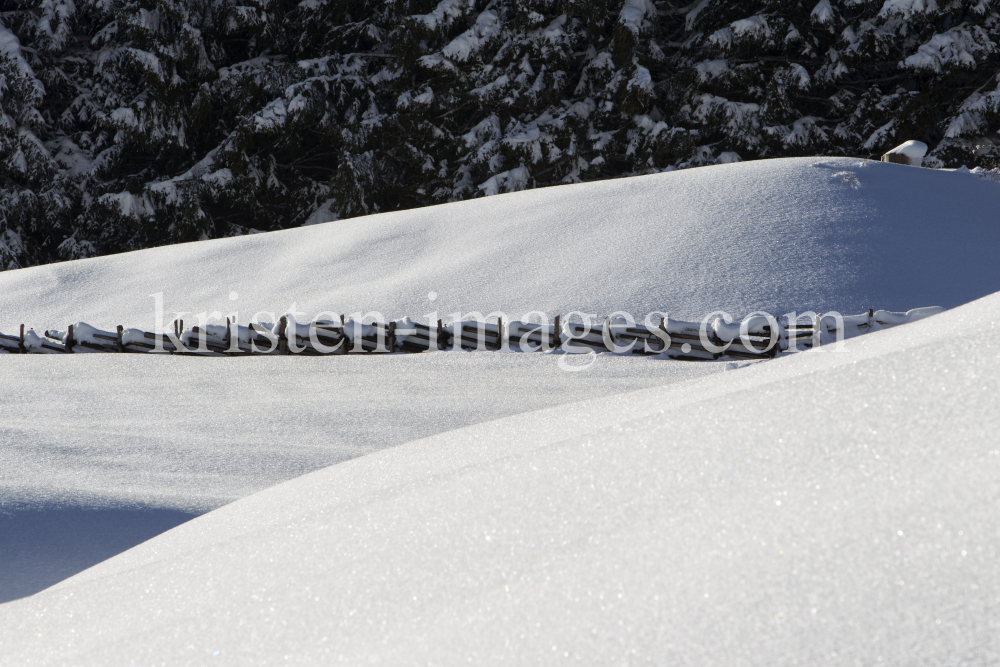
(854, 77)
(132, 123)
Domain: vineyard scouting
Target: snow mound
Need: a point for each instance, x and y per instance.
(773, 235)
(834, 507)
(915, 150)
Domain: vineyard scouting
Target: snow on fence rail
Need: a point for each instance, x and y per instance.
(754, 338)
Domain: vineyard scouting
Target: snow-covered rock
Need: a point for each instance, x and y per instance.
(909, 152)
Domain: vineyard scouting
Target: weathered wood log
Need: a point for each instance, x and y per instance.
(10, 344)
(208, 341)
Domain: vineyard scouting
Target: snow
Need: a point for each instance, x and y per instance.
(773, 235)
(444, 13)
(915, 150)
(711, 69)
(487, 27)
(167, 438)
(799, 75)
(322, 214)
(60, 13)
(11, 48)
(554, 33)
(800, 131)
(271, 117)
(854, 523)
(755, 26)
(957, 47)
(907, 8)
(692, 15)
(835, 506)
(634, 12)
(143, 59)
(506, 181)
(641, 79)
(742, 118)
(881, 134)
(129, 204)
(822, 12)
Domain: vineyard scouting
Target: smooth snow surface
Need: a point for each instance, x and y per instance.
(99, 452)
(774, 235)
(836, 507)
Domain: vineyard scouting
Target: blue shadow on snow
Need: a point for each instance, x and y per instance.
(42, 545)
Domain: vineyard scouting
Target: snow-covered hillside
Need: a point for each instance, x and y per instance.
(776, 235)
(101, 452)
(836, 506)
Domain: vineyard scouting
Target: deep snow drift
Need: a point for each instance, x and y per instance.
(776, 235)
(834, 507)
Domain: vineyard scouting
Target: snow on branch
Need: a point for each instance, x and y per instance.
(754, 28)
(907, 8)
(822, 13)
(634, 14)
(508, 181)
(10, 49)
(445, 13)
(957, 47)
(472, 40)
(971, 118)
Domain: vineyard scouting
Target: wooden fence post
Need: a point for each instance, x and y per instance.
(20, 346)
(69, 342)
(121, 344)
(392, 337)
(557, 335)
(282, 336)
(440, 335)
(500, 340)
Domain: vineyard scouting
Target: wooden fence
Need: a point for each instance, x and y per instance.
(671, 338)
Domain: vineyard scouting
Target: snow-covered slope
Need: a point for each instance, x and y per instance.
(776, 235)
(101, 452)
(832, 507)
(836, 507)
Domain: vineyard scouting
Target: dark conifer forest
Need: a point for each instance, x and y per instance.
(128, 124)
